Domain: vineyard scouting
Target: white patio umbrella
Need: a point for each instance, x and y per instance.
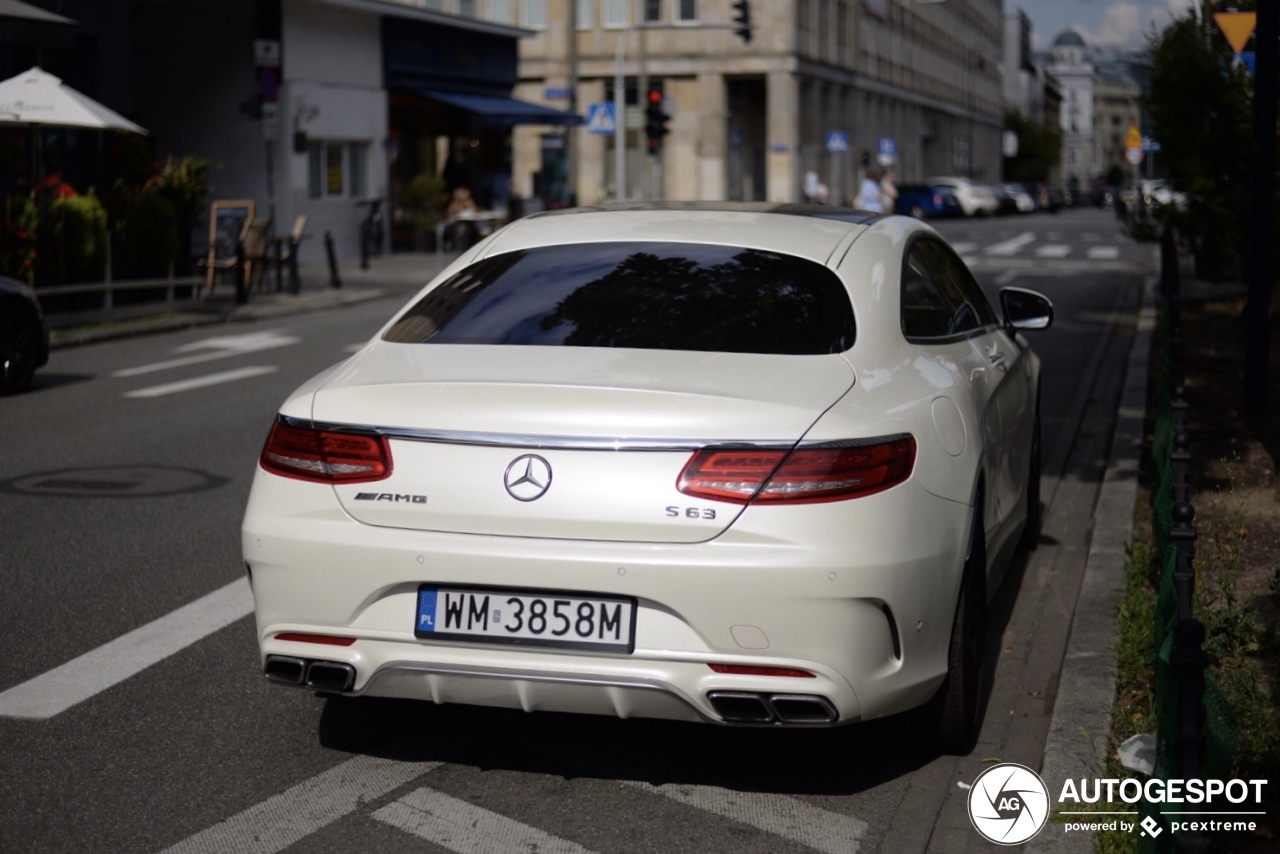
(36, 97)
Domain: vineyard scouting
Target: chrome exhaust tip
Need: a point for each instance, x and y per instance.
(284, 669)
(740, 708)
(330, 676)
(803, 709)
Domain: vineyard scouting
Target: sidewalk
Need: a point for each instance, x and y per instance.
(398, 275)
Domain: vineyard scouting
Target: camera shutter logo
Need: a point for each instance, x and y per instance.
(1008, 804)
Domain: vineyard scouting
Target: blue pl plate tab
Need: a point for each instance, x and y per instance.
(426, 610)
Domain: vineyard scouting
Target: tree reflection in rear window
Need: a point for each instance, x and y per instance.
(651, 296)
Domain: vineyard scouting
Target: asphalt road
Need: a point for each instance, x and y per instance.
(123, 479)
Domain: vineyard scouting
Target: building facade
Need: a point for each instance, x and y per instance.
(1081, 144)
(828, 86)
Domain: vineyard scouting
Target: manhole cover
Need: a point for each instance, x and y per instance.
(121, 481)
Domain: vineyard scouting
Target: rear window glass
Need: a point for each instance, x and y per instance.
(653, 296)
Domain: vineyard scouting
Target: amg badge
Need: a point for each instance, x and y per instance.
(389, 496)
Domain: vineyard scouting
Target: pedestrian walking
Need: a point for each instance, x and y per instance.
(869, 194)
(888, 192)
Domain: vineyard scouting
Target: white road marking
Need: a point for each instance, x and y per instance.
(223, 347)
(1053, 250)
(1104, 253)
(283, 820)
(1010, 246)
(780, 815)
(467, 828)
(201, 382)
(59, 689)
(964, 248)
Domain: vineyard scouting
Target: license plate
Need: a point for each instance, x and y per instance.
(531, 618)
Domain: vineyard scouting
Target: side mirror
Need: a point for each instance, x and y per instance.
(1025, 309)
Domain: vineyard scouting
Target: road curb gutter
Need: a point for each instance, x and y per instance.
(1080, 727)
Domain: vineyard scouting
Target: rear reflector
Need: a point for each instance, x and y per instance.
(801, 476)
(325, 456)
(327, 640)
(754, 670)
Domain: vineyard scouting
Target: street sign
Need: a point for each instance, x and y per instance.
(886, 151)
(1133, 138)
(1150, 144)
(837, 141)
(1237, 27)
(556, 93)
(1133, 156)
(601, 118)
(270, 121)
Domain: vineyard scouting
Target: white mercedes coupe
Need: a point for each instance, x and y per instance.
(743, 464)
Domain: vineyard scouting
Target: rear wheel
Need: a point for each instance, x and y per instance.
(19, 344)
(957, 705)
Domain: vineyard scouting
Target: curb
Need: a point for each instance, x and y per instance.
(1080, 727)
(316, 301)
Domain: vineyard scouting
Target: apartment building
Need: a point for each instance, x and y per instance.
(829, 86)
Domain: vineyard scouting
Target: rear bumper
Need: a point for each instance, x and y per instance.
(849, 592)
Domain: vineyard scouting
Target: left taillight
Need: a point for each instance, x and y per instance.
(325, 456)
(799, 476)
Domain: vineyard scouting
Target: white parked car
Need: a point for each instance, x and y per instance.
(975, 199)
(739, 464)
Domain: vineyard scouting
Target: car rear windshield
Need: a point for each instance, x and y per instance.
(654, 296)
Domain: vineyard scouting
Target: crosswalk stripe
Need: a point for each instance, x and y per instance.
(1053, 250)
(1103, 253)
(59, 689)
(964, 248)
(282, 820)
(201, 382)
(780, 815)
(466, 828)
(1010, 246)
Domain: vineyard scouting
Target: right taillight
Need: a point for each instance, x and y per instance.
(325, 456)
(800, 476)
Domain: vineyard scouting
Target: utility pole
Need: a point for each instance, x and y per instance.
(1262, 254)
(571, 59)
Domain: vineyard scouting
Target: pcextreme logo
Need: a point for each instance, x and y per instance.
(1008, 803)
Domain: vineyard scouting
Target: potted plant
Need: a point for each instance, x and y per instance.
(423, 203)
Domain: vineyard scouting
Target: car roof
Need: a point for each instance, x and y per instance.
(807, 231)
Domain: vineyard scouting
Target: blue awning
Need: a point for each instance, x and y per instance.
(503, 111)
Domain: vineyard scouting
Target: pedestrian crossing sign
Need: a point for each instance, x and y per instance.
(600, 118)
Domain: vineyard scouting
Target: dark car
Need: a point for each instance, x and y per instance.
(924, 201)
(24, 339)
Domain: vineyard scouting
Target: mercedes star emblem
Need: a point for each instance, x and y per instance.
(528, 477)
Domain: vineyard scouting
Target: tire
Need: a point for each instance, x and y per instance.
(957, 707)
(1035, 516)
(19, 348)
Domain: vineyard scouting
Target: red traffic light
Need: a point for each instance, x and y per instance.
(655, 96)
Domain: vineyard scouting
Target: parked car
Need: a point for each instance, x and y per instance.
(1022, 200)
(662, 461)
(923, 201)
(24, 338)
(975, 199)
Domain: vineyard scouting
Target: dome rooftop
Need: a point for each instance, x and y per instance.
(1069, 38)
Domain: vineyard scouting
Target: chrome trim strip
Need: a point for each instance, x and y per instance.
(576, 443)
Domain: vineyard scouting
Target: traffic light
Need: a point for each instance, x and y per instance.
(655, 120)
(743, 20)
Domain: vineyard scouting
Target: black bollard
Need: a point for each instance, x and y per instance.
(1183, 537)
(334, 281)
(1188, 662)
(242, 289)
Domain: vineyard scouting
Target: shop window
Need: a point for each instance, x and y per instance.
(467, 8)
(586, 14)
(687, 11)
(616, 13)
(652, 11)
(337, 169)
(535, 14)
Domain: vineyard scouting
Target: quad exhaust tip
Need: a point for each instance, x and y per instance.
(320, 675)
(741, 707)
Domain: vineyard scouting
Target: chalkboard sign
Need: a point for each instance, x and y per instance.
(227, 222)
